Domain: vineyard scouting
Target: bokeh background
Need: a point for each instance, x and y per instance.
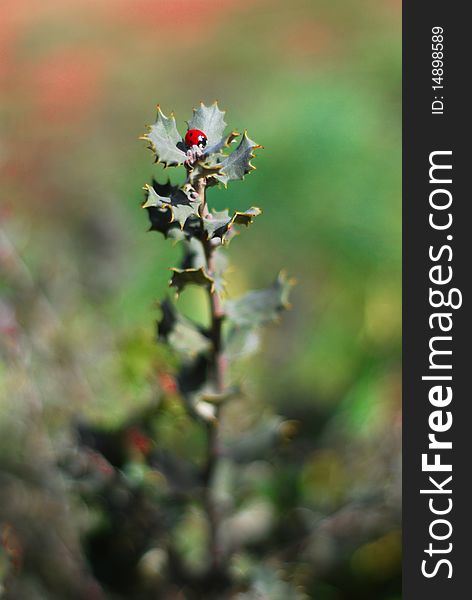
(318, 84)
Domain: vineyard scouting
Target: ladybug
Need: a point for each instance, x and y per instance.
(195, 137)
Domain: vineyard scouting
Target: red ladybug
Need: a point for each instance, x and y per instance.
(195, 137)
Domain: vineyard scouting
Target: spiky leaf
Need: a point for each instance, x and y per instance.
(182, 335)
(246, 217)
(162, 221)
(183, 277)
(182, 204)
(238, 163)
(216, 224)
(221, 265)
(219, 223)
(261, 306)
(194, 255)
(165, 140)
(166, 189)
(241, 342)
(194, 258)
(204, 169)
(225, 142)
(210, 120)
(192, 378)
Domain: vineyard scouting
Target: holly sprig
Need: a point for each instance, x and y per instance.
(183, 214)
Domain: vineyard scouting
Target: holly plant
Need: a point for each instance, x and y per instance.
(211, 158)
(182, 213)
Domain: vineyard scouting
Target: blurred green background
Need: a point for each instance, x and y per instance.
(317, 83)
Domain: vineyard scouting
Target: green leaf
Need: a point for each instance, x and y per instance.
(204, 169)
(246, 314)
(241, 342)
(219, 223)
(238, 163)
(194, 258)
(261, 306)
(162, 219)
(225, 142)
(166, 189)
(247, 217)
(182, 335)
(216, 223)
(183, 277)
(183, 203)
(165, 140)
(192, 379)
(210, 120)
(194, 255)
(221, 265)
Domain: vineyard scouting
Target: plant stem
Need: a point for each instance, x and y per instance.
(218, 373)
(213, 448)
